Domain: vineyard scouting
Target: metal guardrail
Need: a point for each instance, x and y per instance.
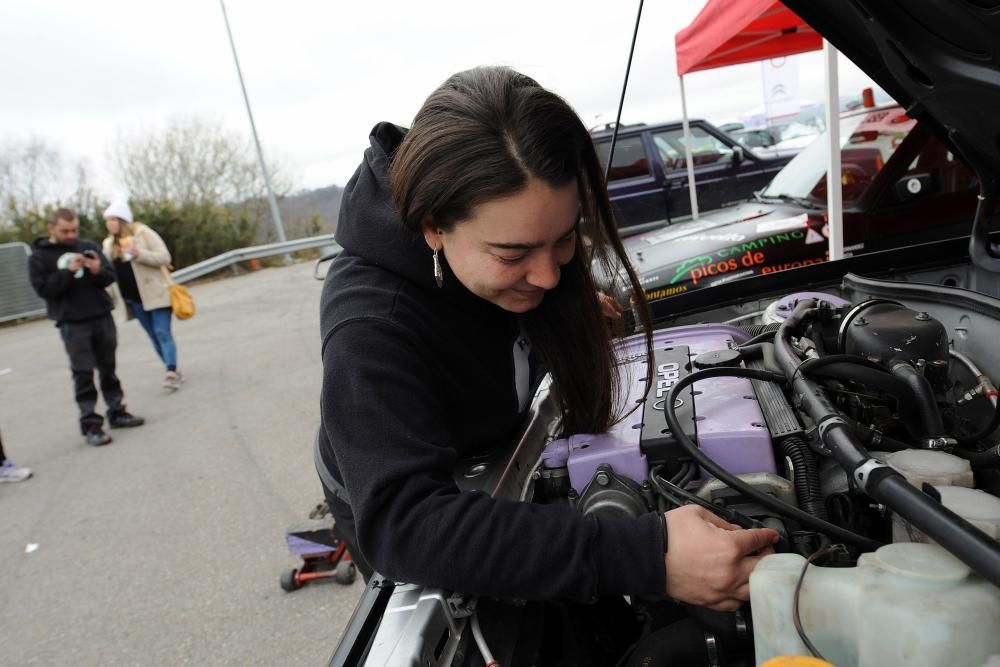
(227, 259)
(17, 297)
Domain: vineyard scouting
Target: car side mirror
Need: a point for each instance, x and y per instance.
(914, 185)
(737, 155)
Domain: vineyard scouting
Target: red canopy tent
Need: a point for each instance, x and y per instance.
(731, 32)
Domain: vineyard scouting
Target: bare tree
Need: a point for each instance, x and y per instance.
(34, 174)
(193, 160)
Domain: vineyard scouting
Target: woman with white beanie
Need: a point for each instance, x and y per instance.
(141, 260)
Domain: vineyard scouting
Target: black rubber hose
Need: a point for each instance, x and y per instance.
(869, 437)
(985, 432)
(806, 476)
(752, 351)
(813, 365)
(680, 643)
(871, 377)
(926, 406)
(759, 338)
(763, 331)
(778, 506)
(986, 459)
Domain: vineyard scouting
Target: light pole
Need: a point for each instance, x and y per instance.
(275, 214)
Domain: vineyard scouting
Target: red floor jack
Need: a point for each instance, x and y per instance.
(323, 554)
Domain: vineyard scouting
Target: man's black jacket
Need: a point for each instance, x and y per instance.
(67, 298)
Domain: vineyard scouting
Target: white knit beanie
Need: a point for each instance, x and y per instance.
(119, 209)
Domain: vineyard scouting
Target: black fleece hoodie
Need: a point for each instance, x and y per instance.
(414, 379)
(67, 298)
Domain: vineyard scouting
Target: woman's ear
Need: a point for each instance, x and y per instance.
(432, 234)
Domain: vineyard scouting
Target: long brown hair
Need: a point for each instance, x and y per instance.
(125, 231)
(481, 136)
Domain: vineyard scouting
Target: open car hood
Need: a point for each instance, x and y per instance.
(939, 59)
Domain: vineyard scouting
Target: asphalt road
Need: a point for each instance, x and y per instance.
(165, 547)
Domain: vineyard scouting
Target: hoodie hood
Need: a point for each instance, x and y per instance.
(369, 226)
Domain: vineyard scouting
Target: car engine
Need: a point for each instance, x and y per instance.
(858, 423)
(760, 439)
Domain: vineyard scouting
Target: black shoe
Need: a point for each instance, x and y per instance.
(97, 437)
(125, 420)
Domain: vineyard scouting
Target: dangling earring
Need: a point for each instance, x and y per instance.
(438, 275)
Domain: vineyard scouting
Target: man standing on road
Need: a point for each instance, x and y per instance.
(71, 275)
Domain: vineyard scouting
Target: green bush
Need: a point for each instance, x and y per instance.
(196, 231)
(192, 231)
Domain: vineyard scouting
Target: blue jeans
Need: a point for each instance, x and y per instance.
(157, 324)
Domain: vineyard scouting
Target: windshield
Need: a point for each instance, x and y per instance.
(867, 142)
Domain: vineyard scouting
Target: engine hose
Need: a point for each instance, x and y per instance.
(763, 331)
(680, 643)
(985, 432)
(923, 396)
(987, 459)
(813, 365)
(760, 338)
(877, 378)
(762, 351)
(870, 437)
(780, 507)
(806, 476)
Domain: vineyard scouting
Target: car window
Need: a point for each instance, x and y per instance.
(630, 158)
(705, 148)
(868, 140)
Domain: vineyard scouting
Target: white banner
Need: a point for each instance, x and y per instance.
(781, 87)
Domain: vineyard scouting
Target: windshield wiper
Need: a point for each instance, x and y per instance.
(804, 202)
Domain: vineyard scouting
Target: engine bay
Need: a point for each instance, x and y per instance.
(891, 378)
(856, 421)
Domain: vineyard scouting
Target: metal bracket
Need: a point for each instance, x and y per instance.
(827, 424)
(460, 605)
(939, 443)
(864, 471)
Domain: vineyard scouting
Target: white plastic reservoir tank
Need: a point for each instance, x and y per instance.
(905, 604)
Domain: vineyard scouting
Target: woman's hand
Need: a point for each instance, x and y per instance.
(611, 308)
(709, 560)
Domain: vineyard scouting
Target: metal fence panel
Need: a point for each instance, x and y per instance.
(17, 298)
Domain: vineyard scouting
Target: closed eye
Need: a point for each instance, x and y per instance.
(509, 260)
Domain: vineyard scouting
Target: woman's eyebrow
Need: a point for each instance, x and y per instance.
(531, 246)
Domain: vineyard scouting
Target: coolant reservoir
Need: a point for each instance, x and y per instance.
(905, 604)
(936, 468)
(977, 507)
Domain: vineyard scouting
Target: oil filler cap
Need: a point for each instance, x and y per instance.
(717, 359)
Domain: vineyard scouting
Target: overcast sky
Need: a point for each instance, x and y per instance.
(320, 73)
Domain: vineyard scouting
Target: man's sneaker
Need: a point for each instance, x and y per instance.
(125, 420)
(173, 380)
(12, 473)
(97, 437)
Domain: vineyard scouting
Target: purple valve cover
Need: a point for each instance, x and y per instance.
(729, 422)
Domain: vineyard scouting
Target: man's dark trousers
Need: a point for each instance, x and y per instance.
(91, 345)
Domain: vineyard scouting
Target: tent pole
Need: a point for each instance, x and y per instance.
(687, 154)
(834, 195)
